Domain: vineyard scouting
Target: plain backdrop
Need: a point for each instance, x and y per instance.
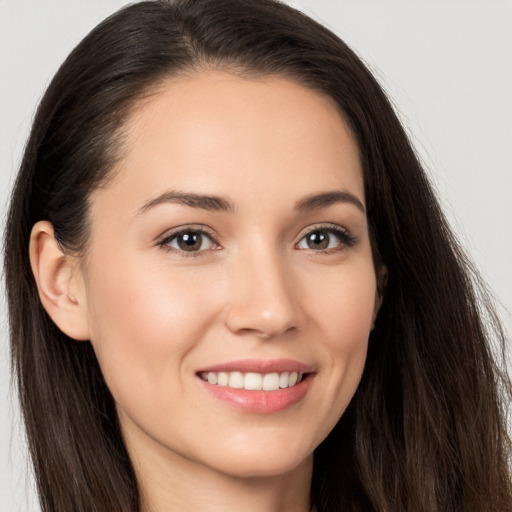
(446, 64)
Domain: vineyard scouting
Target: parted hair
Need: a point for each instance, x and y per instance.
(426, 430)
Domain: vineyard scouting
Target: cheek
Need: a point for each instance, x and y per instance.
(350, 321)
(344, 308)
(143, 326)
(343, 303)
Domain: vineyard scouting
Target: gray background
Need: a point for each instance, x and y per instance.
(447, 66)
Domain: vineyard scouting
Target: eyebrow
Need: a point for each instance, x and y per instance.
(220, 204)
(326, 199)
(205, 202)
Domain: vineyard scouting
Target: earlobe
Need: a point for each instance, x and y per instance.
(59, 282)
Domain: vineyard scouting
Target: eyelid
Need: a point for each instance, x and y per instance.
(168, 235)
(347, 239)
(327, 226)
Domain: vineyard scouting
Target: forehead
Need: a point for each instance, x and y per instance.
(218, 133)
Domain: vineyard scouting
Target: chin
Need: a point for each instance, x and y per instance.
(269, 468)
(265, 458)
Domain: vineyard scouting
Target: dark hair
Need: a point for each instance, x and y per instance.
(426, 429)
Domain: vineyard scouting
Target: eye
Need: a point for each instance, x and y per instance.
(326, 239)
(188, 240)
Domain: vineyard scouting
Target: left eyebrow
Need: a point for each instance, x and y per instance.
(326, 199)
(205, 202)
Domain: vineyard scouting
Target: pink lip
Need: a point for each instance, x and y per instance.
(261, 402)
(260, 366)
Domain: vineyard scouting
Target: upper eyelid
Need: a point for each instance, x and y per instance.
(328, 226)
(164, 240)
(199, 228)
(345, 236)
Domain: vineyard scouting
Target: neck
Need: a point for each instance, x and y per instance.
(189, 487)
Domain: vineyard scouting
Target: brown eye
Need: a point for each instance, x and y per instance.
(318, 239)
(189, 241)
(326, 239)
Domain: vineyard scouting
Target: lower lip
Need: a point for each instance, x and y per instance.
(261, 402)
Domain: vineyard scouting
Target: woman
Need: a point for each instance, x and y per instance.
(230, 284)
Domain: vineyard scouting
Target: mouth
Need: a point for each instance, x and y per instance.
(256, 386)
(251, 381)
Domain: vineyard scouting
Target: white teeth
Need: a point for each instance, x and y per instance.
(271, 382)
(223, 379)
(253, 381)
(236, 380)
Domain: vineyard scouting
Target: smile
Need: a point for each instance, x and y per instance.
(258, 386)
(253, 381)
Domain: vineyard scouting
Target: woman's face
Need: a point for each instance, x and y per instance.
(231, 251)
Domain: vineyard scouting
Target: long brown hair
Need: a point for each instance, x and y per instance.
(426, 429)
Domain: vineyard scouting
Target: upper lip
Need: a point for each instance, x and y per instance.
(260, 366)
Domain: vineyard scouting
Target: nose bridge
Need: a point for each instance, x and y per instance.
(262, 299)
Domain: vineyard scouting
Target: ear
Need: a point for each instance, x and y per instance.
(382, 280)
(59, 282)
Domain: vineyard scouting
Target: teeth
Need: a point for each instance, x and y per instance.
(271, 381)
(223, 379)
(253, 381)
(236, 380)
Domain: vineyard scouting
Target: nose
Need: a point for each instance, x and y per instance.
(263, 298)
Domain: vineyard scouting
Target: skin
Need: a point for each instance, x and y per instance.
(156, 315)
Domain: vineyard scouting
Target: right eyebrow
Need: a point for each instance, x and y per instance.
(326, 199)
(205, 202)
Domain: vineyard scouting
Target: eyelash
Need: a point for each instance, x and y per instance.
(169, 237)
(346, 239)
